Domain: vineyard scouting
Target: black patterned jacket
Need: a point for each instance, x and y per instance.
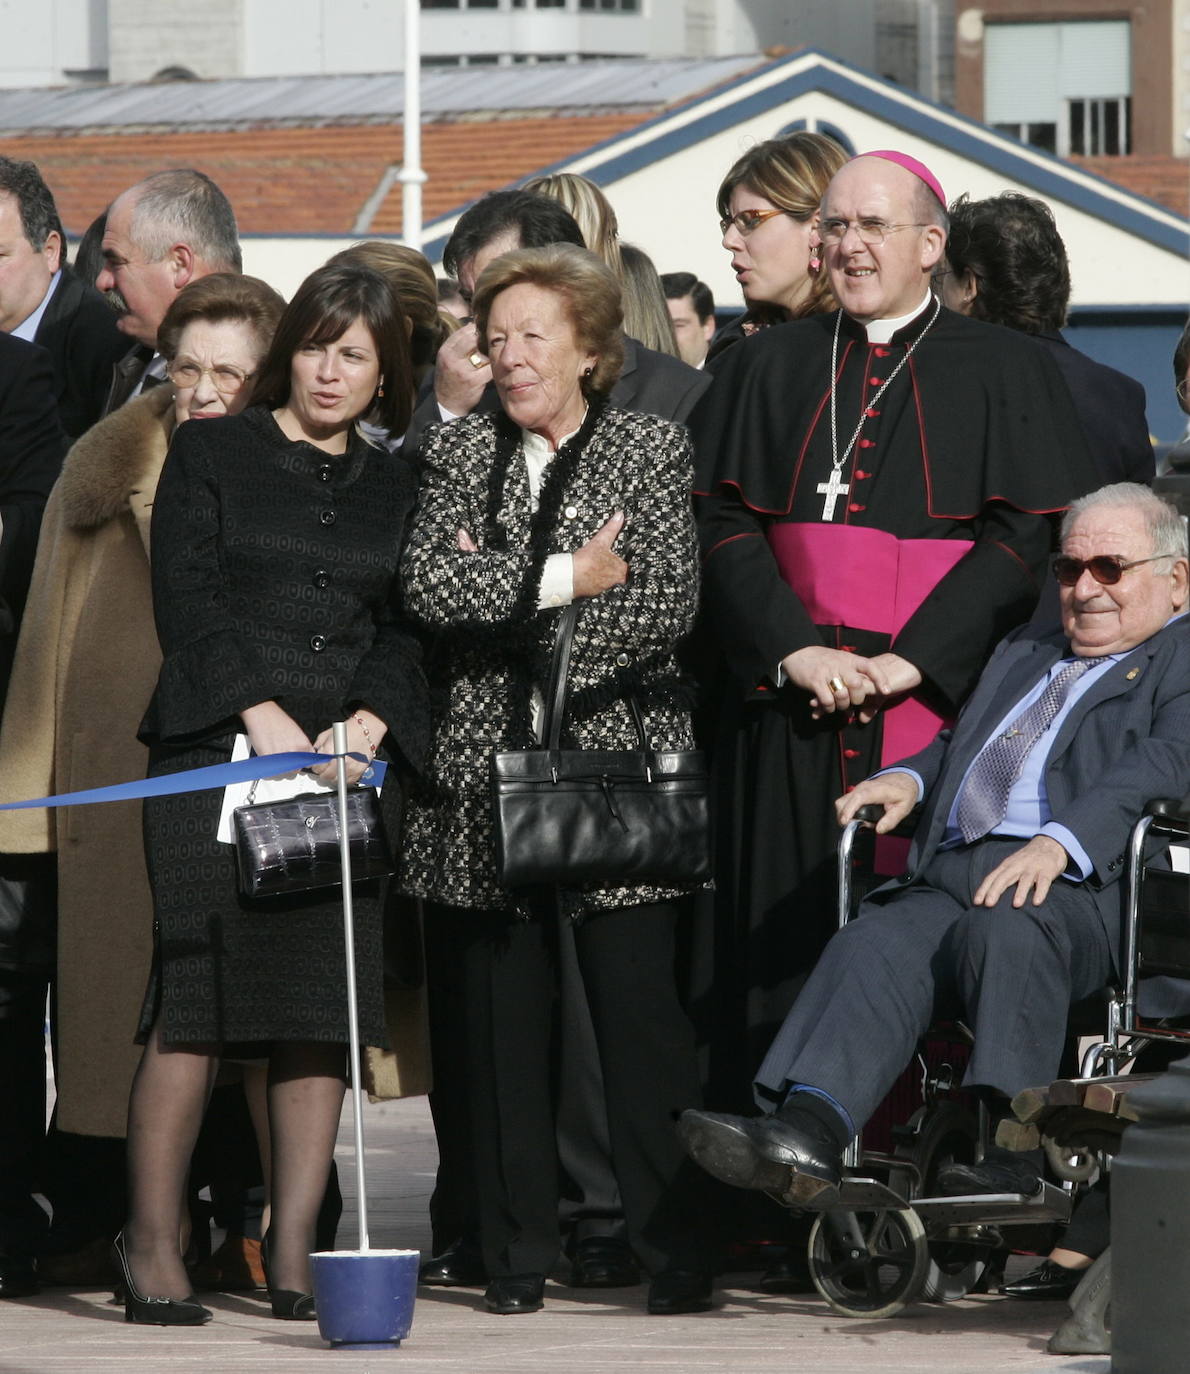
(492, 644)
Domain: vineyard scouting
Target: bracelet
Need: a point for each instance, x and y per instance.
(359, 720)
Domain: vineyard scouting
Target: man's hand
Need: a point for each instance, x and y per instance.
(896, 792)
(596, 567)
(901, 676)
(836, 680)
(458, 383)
(1032, 868)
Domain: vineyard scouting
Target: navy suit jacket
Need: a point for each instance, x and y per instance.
(1126, 741)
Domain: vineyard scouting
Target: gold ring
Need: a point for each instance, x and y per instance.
(477, 360)
(837, 685)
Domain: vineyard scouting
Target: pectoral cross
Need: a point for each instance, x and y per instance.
(831, 491)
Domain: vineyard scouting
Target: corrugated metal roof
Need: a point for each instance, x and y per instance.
(584, 86)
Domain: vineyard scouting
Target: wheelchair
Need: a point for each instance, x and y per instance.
(888, 1242)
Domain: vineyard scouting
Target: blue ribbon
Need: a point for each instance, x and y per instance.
(199, 780)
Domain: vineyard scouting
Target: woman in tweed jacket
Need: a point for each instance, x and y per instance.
(559, 497)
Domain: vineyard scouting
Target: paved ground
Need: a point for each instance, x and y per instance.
(63, 1332)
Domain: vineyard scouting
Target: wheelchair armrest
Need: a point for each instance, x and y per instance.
(1166, 809)
(871, 813)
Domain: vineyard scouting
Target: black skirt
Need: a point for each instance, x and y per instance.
(239, 972)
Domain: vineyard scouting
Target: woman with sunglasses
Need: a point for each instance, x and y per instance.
(768, 210)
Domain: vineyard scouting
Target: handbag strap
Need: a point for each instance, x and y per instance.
(555, 696)
(559, 685)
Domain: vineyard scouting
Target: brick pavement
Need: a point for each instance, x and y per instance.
(64, 1332)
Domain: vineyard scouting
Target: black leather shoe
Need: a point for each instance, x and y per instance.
(186, 1311)
(603, 1262)
(1049, 1282)
(18, 1278)
(675, 1291)
(515, 1293)
(796, 1158)
(1000, 1172)
(287, 1304)
(459, 1266)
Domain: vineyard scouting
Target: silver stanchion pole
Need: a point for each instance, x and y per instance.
(339, 735)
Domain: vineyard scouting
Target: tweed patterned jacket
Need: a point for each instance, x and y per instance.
(492, 644)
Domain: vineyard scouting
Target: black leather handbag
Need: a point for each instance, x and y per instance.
(292, 845)
(575, 817)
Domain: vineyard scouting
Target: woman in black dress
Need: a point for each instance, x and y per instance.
(276, 536)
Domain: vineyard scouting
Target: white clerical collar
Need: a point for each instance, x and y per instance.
(28, 327)
(881, 331)
(534, 445)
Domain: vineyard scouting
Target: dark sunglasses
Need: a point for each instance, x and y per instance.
(1105, 568)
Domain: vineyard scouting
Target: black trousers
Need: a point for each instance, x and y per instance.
(926, 953)
(28, 910)
(507, 973)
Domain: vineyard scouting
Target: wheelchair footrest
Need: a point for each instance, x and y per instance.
(1000, 1209)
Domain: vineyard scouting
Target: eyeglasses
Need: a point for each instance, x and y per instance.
(227, 380)
(1105, 568)
(873, 232)
(747, 220)
(1183, 391)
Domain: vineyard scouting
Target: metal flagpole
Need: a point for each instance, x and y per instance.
(411, 175)
(339, 735)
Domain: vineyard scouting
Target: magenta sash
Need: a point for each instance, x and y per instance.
(871, 580)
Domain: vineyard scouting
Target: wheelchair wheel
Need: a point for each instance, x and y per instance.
(946, 1135)
(868, 1264)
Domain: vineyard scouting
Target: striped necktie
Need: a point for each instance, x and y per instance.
(984, 797)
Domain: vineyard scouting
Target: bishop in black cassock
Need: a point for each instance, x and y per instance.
(922, 529)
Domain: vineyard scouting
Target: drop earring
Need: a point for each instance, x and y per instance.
(380, 389)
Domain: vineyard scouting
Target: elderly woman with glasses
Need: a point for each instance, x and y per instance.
(85, 668)
(557, 498)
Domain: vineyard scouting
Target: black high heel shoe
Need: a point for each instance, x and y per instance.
(154, 1311)
(287, 1303)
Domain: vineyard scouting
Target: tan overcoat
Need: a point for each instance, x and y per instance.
(86, 665)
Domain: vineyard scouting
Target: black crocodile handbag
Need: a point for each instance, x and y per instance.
(292, 845)
(576, 817)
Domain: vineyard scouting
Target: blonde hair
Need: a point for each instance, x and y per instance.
(646, 315)
(588, 288)
(590, 209)
(793, 173)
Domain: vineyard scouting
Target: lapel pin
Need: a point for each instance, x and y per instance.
(1131, 673)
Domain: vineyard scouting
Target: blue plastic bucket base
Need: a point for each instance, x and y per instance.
(365, 1299)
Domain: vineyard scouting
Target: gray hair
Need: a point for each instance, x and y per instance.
(1166, 528)
(185, 206)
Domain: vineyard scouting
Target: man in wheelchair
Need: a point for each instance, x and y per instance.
(1011, 906)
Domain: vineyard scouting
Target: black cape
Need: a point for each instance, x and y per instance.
(976, 439)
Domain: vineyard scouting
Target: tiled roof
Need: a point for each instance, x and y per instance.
(1163, 179)
(592, 87)
(311, 180)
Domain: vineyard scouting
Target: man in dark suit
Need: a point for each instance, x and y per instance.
(1010, 908)
(43, 301)
(32, 445)
(166, 231)
(650, 382)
